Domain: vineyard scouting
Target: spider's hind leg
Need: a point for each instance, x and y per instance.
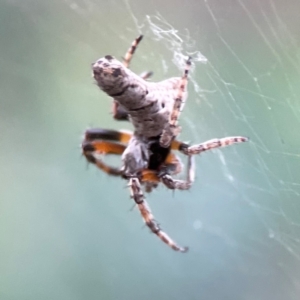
(138, 197)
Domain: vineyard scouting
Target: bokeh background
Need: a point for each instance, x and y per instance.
(68, 231)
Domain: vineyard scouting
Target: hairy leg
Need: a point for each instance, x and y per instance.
(212, 144)
(172, 129)
(131, 50)
(138, 197)
(172, 183)
(99, 142)
(95, 150)
(121, 136)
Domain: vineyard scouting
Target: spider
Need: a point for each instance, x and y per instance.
(148, 156)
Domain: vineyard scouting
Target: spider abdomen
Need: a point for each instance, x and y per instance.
(148, 104)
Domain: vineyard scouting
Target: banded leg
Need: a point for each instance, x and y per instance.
(97, 142)
(212, 144)
(121, 136)
(130, 51)
(146, 75)
(173, 184)
(138, 197)
(172, 164)
(93, 150)
(172, 130)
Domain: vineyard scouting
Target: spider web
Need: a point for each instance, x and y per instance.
(241, 218)
(261, 97)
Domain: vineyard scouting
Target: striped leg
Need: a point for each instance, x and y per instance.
(98, 142)
(130, 51)
(121, 136)
(93, 151)
(146, 75)
(212, 144)
(172, 130)
(138, 197)
(172, 183)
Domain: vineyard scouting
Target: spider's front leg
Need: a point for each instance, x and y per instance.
(172, 130)
(131, 50)
(212, 144)
(98, 142)
(138, 197)
(93, 151)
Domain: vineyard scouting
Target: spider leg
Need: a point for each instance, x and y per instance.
(149, 186)
(173, 164)
(212, 144)
(171, 130)
(95, 149)
(130, 51)
(121, 136)
(151, 178)
(146, 75)
(97, 142)
(138, 197)
(172, 183)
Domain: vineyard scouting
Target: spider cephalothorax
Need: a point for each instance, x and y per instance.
(147, 154)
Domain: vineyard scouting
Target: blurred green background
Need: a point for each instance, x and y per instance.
(67, 231)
